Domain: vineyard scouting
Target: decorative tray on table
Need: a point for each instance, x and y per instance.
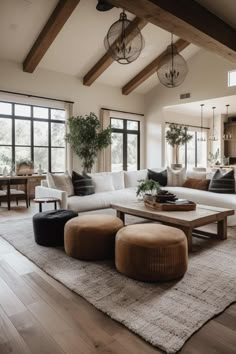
(165, 201)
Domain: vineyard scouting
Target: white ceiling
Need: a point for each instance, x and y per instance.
(194, 108)
(79, 45)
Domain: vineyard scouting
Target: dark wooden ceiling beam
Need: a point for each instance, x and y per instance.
(188, 20)
(53, 26)
(150, 69)
(106, 60)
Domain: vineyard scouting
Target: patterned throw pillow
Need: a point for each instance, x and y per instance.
(223, 183)
(83, 184)
(176, 178)
(160, 177)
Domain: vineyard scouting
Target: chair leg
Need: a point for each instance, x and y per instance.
(17, 201)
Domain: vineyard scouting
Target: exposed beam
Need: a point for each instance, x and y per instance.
(188, 20)
(150, 69)
(106, 60)
(53, 26)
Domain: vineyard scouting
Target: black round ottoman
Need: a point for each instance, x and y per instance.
(49, 226)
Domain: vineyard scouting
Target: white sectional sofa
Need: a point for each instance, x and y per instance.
(124, 190)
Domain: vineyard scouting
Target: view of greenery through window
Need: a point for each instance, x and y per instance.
(125, 146)
(192, 154)
(32, 133)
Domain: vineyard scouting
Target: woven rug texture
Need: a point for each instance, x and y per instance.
(164, 314)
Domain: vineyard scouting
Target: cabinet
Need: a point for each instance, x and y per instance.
(230, 144)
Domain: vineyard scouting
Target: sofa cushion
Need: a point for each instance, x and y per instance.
(132, 177)
(62, 182)
(117, 178)
(176, 177)
(197, 183)
(223, 183)
(160, 177)
(83, 184)
(197, 174)
(103, 183)
(101, 200)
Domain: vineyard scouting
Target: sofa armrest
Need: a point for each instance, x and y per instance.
(44, 192)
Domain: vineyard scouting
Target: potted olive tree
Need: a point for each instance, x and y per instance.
(176, 136)
(87, 138)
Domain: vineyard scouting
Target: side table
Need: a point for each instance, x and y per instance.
(45, 200)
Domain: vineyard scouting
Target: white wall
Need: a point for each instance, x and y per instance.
(57, 85)
(207, 78)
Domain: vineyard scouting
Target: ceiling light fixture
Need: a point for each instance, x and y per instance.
(173, 67)
(213, 137)
(103, 6)
(227, 134)
(123, 45)
(201, 138)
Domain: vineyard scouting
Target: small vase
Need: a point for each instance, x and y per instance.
(5, 172)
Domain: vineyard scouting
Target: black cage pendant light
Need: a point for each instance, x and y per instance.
(201, 137)
(124, 46)
(172, 68)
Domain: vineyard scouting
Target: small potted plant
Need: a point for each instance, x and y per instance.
(24, 167)
(147, 187)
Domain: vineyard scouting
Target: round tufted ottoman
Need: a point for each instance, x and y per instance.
(92, 237)
(49, 226)
(151, 252)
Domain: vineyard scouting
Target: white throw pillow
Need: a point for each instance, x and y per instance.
(61, 182)
(117, 178)
(176, 178)
(196, 174)
(132, 177)
(103, 183)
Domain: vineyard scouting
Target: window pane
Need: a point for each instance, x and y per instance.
(22, 110)
(41, 158)
(232, 78)
(5, 157)
(132, 125)
(58, 134)
(22, 153)
(57, 114)
(191, 151)
(132, 155)
(58, 160)
(5, 131)
(5, 108)
(22, 132)
(117, 152)
(117, 123)
(40, 112)
(40, 133)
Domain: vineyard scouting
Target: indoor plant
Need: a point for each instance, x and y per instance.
(149, 187)
(87, 138)
(176, 136)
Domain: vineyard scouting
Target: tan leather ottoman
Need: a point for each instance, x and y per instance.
(91, 237)
(151, 252)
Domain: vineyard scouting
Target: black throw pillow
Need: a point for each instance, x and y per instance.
(160, 177)
(222, 183)
(83, 184)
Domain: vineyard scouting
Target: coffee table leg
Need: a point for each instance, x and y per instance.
(188, 233)
(222, 229)
(120, 215)
(55, 205)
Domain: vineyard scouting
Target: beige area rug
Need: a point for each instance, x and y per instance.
(165, 314)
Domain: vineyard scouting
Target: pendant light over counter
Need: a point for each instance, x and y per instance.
(214, 136)
(172, 68)
(201, 138)
(227, 134)
(124, 47)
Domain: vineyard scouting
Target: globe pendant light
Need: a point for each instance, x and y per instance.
(172, 68)
(123, 45)
(201, 138)
(213, 137)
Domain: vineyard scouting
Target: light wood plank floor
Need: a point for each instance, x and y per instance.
(39, 315)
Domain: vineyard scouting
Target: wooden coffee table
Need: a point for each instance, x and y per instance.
(187, 221)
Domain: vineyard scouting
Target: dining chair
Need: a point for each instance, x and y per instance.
(5, 192)
(19, 194)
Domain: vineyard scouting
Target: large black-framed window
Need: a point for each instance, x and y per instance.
(192, 154)
(34, 133)
(125, 148)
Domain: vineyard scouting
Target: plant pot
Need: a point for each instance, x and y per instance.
(176, 166)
